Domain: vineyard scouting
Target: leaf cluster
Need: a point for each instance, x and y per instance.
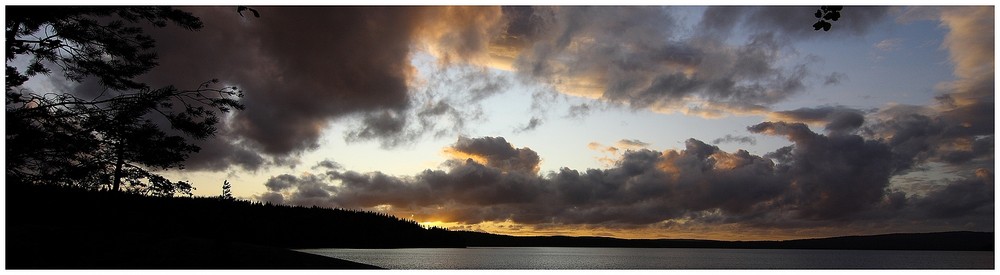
(824, 13)
(103, 42)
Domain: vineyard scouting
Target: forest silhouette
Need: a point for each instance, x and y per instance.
(69, 227)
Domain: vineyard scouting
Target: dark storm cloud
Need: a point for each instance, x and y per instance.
(218, 154)
(965, 197)
(281, 182)
(308, 190)
(737, 139)
(966, 202)
(308, 79)
(636, 191)
(301, 68)
(835, 176)
(957, 136)
(721, 19)
(911, 136)
(388, 124)
(981, 147)
(836, 119)
(970, 119)
(820, 180)
(499, 153)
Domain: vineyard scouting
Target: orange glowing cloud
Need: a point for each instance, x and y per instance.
(465, 34)
(971, 51)
(495, 152)
(460, 155)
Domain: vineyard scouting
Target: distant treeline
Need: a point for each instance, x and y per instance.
(966, 241)
(111, 213)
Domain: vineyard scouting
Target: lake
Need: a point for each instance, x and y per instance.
(657, 258)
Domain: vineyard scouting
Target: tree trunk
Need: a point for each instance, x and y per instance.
(12, 32)
(120, 153)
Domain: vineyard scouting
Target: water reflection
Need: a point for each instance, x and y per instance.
(657, 258)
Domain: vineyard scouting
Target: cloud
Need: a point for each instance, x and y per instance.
(495, 152)
(962, 198)
(445, 103)
(958, 129)
(856, 20)
(834, 78)
(280, 183)
(971, 52)
(890, 44)
(532, 124)
(219, 154)
(579, 110)
(631, 144)
(836, 119)
(956, 137)
(386, 123)
(297, 83)
(837, 179)
(819, 181)
(459, 34)
(792, 22)
(302, 68)
(600, 53)
(835, 175)
(612, 154)
(329, 165)
(737, 139)
(292, 87)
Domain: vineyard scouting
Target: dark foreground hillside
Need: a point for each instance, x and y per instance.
(210, 218)
(57, 227)
(33, 247)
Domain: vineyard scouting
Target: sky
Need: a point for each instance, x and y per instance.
(730, 123)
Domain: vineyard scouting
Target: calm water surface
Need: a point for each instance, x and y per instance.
(657, 258)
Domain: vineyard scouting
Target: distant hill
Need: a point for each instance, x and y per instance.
(964, 240)
(62, 227)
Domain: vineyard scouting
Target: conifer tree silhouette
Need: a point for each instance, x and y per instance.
(130, 129)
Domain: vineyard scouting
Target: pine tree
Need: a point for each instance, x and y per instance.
(114, 141)
(227, 192)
